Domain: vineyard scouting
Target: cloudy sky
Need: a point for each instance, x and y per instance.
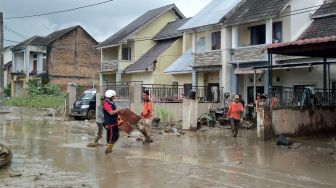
(100, 21)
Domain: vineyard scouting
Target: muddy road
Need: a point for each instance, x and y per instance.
(49, 152)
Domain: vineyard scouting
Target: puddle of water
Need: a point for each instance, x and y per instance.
(208, 159)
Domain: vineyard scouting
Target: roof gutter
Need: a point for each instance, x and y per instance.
(323, 15)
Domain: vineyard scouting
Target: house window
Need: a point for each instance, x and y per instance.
(258, 34)
(216, 40)
(277, 32)
(126, 54)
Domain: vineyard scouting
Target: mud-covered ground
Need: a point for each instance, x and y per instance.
(51, 152)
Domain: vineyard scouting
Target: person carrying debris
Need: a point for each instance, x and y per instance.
(145, 123)
(99, 121)
(111, 119)
(235, 109)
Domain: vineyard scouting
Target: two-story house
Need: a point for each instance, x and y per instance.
(138, 52)
(202, 65)
(228, 38)
(64, 56)
(254, 25)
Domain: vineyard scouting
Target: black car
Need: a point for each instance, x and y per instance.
(85, 106)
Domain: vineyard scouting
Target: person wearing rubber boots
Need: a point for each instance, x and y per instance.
(111, 119)
(145, 124)
(235, 109)
(100, 121)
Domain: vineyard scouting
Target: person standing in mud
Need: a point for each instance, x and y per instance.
(235, 109)
(111, 120)
(145, 123)
(99, 121)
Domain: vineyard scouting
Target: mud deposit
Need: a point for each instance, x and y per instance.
(51, 153)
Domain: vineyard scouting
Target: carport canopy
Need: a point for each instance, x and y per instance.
(324, 47)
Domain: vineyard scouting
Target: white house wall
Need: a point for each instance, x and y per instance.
(7, 56)
(18, 62)
(302, 76)
(300, 22)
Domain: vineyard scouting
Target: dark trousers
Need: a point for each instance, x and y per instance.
(100, 130)
(235, 124)
(112, 134)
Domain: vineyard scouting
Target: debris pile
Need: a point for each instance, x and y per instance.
(5, 155)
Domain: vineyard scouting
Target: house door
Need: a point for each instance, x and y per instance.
(250, 94)
(18, 89)
(212, 92)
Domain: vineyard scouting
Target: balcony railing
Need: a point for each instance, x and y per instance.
(208, 58)
(176, 93)
(255, 53)
(110, 66)
(249, 54)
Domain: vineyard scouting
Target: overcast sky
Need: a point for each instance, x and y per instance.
(100, 21)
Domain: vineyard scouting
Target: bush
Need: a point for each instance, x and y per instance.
(165, 115)
(38, 101)
(37, 87)
(39, 95)
(7, 91)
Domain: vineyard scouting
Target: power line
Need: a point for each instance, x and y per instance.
(11, 41)
(15, 32)
(145, 38)
(60, 11)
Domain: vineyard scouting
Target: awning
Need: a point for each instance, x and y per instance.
(182, 65)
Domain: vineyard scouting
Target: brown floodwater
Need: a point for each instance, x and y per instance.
(48, 153)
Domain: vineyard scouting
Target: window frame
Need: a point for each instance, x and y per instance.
(129, 54)
(276, 25)
(216, 40)
(254, 31)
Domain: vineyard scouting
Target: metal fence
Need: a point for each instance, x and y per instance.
(121, 88)
(176, 93)
(290, 97)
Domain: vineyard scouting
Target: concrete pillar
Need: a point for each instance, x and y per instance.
(184, 43)
(266, 81)
(269, 31)
(26, 61)
(234, 37)
(194, 44)
(118, 76)
(234, 83)
(194, 78)
(71, 94)
(208, 41)
(226, 67)
(120, 52)
(190, 109)
(264, 124)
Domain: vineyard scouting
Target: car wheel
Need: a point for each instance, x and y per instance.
(91, 114)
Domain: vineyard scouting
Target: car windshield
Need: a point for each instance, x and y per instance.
(87, 95)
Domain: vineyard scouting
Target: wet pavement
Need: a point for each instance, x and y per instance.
(51, 153)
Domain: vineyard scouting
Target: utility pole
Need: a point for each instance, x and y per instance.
(1, 58)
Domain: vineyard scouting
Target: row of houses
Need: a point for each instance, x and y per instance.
(221, 48)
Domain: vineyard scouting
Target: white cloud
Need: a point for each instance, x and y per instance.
(100, 21)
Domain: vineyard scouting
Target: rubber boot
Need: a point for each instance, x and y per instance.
(109, 148)
(147, 139)
(95, 142)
